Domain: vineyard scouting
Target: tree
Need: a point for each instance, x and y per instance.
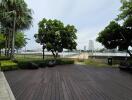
(15, 16)
(20, 40)
(116, 35)
(2, 42)
(110, 36)
(55, 37)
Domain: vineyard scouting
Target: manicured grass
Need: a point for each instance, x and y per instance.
(97, 63)
(32, 56)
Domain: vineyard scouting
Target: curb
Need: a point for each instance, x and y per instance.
(11, 96)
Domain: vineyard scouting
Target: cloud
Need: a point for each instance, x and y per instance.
(86, 34)
(88, 16)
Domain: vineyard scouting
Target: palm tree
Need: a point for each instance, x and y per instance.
(16, 16)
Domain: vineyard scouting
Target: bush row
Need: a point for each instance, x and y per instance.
(6, 65)
(34, 64)
(4, 58)
(42, 64)
(9, 68)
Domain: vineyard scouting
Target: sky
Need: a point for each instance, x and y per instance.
(88, 16)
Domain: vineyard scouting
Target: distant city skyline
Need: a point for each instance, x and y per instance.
(88, 16)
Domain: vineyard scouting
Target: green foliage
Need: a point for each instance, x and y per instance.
(126, 10)
(18, 8)
(20, 40)
(116, 35)
(64, 61)
(110, 37)
(25, 64)
(4, 58)
(96, 63)
(43, 63)
(14, 16)
(2, 41)
(55, 36)
(8, 65)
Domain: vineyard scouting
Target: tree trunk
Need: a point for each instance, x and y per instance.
(129, 53)
(13, 37)
(0, 52)
(6, 46)
(12, 49)
(43, 52)
(53, 54)
(9, 40)
(56, 55)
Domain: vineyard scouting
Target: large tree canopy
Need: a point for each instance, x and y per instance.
(15, 8)
(14, 16)
(110, 36)
(116, 35)
(55, 36)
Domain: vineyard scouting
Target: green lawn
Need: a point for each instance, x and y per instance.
(95, 63)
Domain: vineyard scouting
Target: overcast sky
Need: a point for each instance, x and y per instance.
(88, 16)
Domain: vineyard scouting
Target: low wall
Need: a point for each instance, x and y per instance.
(115, 59)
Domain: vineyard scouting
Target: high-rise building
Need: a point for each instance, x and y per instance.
(91, 45)
(85, 49)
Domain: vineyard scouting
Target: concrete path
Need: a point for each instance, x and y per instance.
(80, 56)
(5, 91)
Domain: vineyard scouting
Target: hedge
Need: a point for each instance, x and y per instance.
(31, 64)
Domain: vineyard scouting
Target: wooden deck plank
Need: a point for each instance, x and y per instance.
(71, 82)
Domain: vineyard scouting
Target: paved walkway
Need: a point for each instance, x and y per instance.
(80, 56)
(5, 91)
(71, 82)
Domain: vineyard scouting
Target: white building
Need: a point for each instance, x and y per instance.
(91, 45)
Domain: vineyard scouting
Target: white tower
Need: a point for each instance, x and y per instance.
(91, 45)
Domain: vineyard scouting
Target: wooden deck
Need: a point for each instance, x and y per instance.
(71, 82)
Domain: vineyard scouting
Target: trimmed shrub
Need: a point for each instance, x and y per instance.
(9, 68)
(32, 65)
(43, 64)
(27, 65)
(4, 58)
(8, 65)
(64, 61)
